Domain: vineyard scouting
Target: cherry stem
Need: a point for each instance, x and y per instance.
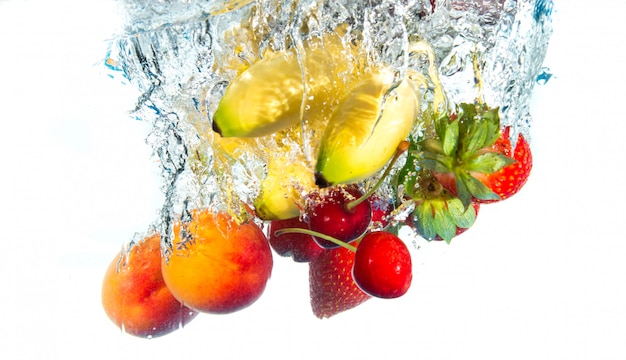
(402, 147)
(316, 234)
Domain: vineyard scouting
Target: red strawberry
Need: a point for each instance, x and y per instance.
(509, 180)
(332, 288)
(438, 214)
(472, 159)
(301, 247)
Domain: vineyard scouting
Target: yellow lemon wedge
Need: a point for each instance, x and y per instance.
(273, 92)
(366, 128)
(281, 191)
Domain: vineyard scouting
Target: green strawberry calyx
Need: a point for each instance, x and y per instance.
(437, 213)
(462, 146)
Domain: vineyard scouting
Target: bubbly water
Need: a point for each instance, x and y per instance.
(181, 55)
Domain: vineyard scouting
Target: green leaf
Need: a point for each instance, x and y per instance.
(492, 115)
(478, 189)
(476, 138)
(451, 139)
(431, 145)
(443, 221)
(488, 163)
(463, 217)
(424, 220)
(441, 124)
(436, 162)
(493, 134)
(462, 190)
(407, 178)
(407, 175)
(468, 111)
(432, 165)
(433, 157)
(480, 128)
(492, 118)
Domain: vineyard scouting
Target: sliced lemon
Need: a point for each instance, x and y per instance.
(366, 128)
(281, 195)
(273, 93)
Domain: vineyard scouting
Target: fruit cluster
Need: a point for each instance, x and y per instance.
(438, 164)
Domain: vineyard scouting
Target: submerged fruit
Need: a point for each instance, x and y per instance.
(509, 180)
(331, 214)
(135, 297)
(300, 247)
(270, 94)
(471, 156)
(382, 265)
(365, 129)
(438, 214)
(217, 265)
(332, 288)
(281, 190)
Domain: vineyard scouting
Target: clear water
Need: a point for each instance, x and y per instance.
(181, 55)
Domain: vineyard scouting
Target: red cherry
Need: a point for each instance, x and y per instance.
(329, 214)
(382, 265)
(301, 247)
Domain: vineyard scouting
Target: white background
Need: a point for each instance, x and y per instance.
(540, 276)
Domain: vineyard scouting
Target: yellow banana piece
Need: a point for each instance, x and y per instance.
(365, 129)
(281, 190)
(270, 94)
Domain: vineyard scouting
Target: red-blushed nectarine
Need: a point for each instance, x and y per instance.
(135, 297)
(216, 264)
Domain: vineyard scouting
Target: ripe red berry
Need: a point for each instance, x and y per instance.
(473, 159)
(382, 265)
(332, 288)
(509, 180)
(301, 247)
(329, 214)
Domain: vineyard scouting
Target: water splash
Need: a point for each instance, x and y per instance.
(543, 8)
(181, 55)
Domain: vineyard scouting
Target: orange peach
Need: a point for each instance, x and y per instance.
(135, 297)
(216, 264)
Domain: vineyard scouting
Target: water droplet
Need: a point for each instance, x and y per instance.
(544, 76)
